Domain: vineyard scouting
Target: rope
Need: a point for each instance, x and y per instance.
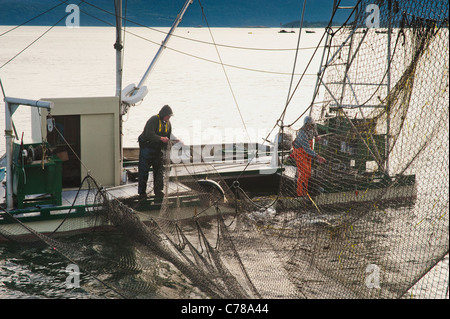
(35, 17)
(53, 244)
(301, 78)
(224, 70)
(37, 39)
(195, 56)
(296, 51)
(194, 40)
(3, 89)
(73, 204)
(280, 120)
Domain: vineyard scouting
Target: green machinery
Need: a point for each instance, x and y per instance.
(37, 178)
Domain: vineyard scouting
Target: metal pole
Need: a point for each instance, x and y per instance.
(164, 43)
(11, 104)
(118, 46)
(9, 145)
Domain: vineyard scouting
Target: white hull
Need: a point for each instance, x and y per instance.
(67, 219)
(349, 198)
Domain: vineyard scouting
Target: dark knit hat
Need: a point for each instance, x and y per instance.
(165, 110)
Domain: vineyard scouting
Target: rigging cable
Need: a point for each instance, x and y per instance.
(282, 117)
(322, 71)
(288, 101)
(301, 78)
(3, 89)
(296, 53)
(35, 17)
(156, 43)
(280, 120)
(191, 39)
(35, 40)
(224, 70)
(191, 55)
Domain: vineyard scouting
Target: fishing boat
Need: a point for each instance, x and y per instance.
(373, 93)
(43, 180)
(46, 182)
(285, 31)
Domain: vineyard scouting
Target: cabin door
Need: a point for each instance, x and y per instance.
(66, 139)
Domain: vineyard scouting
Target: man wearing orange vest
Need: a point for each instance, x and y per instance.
(153, 140)
(303, 154)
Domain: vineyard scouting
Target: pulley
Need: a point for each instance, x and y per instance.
(132, 95)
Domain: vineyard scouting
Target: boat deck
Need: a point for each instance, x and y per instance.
(43, 214)
(46, 218)
(397, 189)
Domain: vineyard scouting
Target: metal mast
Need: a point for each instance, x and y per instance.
(133, 94)
(118, 46)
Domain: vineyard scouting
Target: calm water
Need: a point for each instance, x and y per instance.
(110, 267)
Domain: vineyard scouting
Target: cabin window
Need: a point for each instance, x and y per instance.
(371, 166)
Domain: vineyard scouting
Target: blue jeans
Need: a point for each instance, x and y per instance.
(149, 157)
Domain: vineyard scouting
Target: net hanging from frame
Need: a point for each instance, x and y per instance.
(374, 221)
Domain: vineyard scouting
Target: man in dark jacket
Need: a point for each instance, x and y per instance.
(153, 140)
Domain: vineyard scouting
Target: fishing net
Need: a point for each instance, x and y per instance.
(383, 123)
(372, 222)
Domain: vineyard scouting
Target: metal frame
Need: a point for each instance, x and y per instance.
(11, 105)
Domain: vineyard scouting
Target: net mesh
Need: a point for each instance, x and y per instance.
(373, 222)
